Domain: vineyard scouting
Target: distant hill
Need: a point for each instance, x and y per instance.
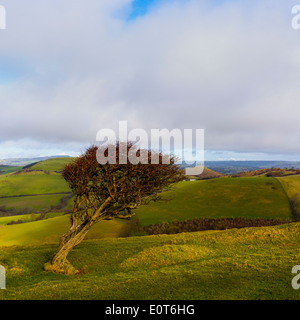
(274, 172)
(53, 164)
(21, 162)
(233, 167)
(38, 187)
(206, 174)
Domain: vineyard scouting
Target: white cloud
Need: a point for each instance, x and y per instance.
(232, 69)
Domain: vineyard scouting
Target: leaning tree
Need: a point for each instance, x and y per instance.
(106, 191)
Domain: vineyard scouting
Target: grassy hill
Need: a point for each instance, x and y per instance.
(291, 185)
(40, 178)
(32, 183)
(50, 230)
(223, 197)
(27, 217)
(55, 164)
(251, 263)
(30, 203)
(254, 197)
(41, 183)
(8, 169)
(206, 174)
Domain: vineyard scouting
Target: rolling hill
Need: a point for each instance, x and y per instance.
(55, 164)
(8, 169)
(254, 197)
(223, 197)
(250, 263)
(38, 187)
(206, 174)
(291, 185)
(247, 197)
(50, 230)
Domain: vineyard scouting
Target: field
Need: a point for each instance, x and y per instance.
(251, 263)
(34, 190)
(254, 197)
(27, 217)
(291, 185)
(55, 164)
(224, 197)
(50, 230)
(35, 203)
(248, 263)
(8, 169)
(28, 184)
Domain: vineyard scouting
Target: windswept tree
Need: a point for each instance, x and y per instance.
(106, 191)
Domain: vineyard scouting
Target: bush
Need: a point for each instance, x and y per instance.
(295, 206)
(208, 224)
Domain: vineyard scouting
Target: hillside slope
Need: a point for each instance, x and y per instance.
(206, 174)
(254, 197)
(223, 197)
(55, 164)
(50, 230)
(38, 187)
(251, 263)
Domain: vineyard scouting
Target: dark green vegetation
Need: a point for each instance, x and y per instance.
(8, 169)
(250, 263)
(207, 224)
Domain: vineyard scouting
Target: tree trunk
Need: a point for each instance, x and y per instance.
(59, 262)
(76, 233)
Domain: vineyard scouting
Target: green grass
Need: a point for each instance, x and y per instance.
(27, 217)
(8, 169)
(251, 263)
(34, 182)
(291, 185)
(223, 197)
(50, 230)
(27, 184)
(24, 217)
(254, 197)
(37, 203)
(55, 164)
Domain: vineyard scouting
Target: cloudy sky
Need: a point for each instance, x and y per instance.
(69, 68)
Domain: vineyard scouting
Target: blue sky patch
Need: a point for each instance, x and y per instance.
(10, 72)
(141, 7)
